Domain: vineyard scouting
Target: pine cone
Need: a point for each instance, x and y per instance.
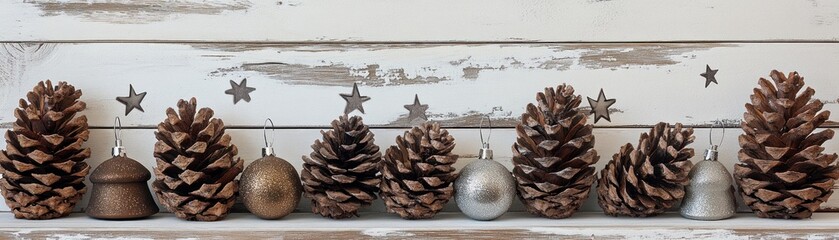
(782, 171)
(651, 179)
(341, 174)
(554, 154)
(417, 174)
(196, 164)
(43, 165)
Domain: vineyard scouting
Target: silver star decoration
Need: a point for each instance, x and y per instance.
(133, 100)
(600, 108)
(354, 100)
(416, 110)
(240, 91)
(709, 75)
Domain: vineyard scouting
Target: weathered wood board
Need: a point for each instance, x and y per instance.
(298, 84)
(291, 144)
(423, 21)
(444, 226)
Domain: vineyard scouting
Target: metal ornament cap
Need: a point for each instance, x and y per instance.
(710, 195)
(270, 187)
(485, 190)
(120, 190)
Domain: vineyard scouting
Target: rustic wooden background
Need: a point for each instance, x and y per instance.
(463, 59)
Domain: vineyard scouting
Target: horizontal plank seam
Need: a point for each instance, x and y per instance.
(327, 42)
(398, 127)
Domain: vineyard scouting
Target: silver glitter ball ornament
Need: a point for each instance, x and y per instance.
(710, 195)
(485, 189)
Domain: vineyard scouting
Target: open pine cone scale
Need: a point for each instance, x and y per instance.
(417, 173)
(43, 165)
(341, 174)
(554, 154)
(196, 164)
(783, 172)
(650, 179)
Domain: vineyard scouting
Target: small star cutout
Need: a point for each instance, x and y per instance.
(354, 100)
(600, 108)
(240, 91)
(133, 100)
(416, 110)
(709, 75)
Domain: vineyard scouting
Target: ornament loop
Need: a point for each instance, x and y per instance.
(485, 144)
(268, 149)
(711, 134)
(117, 132)
(485, 152)
(711, 152)
(118, 149)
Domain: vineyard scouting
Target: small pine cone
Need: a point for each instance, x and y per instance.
(417, 174)
(196, 164)
(651, 179)
(43, 165)
(554, 154)
(783, 172)
(341, 174)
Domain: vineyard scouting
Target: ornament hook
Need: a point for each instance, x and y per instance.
(711, 134)
(118, 149)
(711, 153)
(485, 152)
(268, 149)
(485, 144)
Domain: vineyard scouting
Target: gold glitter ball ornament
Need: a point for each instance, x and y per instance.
(270, 187)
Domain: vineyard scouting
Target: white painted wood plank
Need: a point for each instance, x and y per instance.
(446, 225)
(291, 144)
(651, 82)
(409, 21)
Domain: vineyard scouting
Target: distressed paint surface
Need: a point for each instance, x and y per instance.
(444, 226)
(459, 82)
(136, 11)
(15, 58)
(434, 20)
(292, 144)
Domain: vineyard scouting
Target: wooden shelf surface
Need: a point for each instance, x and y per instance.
(445, 225)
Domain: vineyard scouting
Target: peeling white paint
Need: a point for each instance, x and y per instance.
(656, 82)
(438, 20)
(641, 233)
(386, 232)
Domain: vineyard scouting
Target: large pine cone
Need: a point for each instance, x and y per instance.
(341, 174)
(651, 179)
(554, 154)
(782, 171)
(43, 165)
(417, 174)
(196, 164)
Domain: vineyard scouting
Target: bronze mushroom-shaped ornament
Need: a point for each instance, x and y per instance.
(120, 189)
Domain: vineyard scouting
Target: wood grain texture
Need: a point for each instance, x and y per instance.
(298, 84)
(292, 144)
(436, 20)
(445, 226)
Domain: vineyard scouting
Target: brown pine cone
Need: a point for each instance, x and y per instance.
(341, 174)
(783, 172)
(43, 165)
(417, 174)
(196, 164)
(554, 154)
(651, 179)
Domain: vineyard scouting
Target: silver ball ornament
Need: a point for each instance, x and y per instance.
(485, 189)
